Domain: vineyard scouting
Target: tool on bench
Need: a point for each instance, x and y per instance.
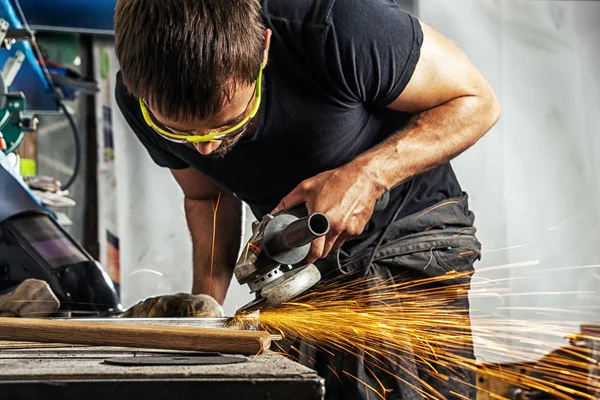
(272, 261)
(118, 334)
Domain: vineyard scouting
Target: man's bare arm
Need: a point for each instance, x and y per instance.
(454, 107)
(201, 199)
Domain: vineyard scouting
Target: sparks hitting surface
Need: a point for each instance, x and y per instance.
(389, 322)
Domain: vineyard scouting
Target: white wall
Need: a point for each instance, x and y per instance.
(534, 178)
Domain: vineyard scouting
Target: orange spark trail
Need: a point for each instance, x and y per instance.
(212, 254)
(385, 320)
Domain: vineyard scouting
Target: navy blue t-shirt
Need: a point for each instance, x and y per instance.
(333, 67)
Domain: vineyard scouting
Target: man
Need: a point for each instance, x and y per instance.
(329, 103)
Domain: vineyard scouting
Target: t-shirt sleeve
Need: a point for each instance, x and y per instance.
(372, 48)
(157, 147)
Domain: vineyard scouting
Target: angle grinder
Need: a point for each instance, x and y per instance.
(272, 265)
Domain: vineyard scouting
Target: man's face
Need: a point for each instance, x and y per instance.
(231, 114)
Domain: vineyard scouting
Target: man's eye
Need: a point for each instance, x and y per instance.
(234, 123)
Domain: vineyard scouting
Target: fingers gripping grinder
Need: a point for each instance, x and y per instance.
(271, 263)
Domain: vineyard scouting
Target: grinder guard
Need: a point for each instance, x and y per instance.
(271, 263)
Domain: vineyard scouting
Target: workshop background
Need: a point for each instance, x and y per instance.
(533, 180)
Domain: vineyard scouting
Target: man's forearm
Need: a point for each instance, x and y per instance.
(213, 265)
(432, 138)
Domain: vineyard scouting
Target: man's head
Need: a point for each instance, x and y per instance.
(194, 63)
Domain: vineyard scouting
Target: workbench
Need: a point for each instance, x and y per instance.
(77, 373)
(73, 372)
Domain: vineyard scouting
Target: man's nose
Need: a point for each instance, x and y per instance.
(206, 148)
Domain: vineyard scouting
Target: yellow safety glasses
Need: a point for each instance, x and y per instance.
(214, 135)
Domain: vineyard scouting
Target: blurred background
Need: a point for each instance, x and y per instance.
(533, 180)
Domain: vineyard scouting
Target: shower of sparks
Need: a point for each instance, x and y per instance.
(510, 266)
(579, 267)
(147, 270)
(212, 247)
(390, 323)
(567, 222)
(505, 248)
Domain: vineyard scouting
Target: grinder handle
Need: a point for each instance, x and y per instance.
(305, 230)
(298, 233)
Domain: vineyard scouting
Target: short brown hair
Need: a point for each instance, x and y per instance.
(184, 55)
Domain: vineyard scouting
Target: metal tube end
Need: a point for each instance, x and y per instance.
(318, 223)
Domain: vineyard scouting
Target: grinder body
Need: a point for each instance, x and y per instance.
(271, 264)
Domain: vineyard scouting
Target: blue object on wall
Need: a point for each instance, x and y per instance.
(85, 16)
(30, 79)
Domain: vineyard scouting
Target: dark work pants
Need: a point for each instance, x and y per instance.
(430, 243)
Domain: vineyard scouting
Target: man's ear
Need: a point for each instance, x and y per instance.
(268, 34)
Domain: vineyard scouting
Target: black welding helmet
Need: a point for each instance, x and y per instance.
(34, 245)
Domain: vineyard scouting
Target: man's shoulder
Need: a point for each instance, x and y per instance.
(308, 13)
(321, 13)
(127, 103)
(300, 18)
(124, 99)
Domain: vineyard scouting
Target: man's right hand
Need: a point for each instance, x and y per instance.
(176, 306)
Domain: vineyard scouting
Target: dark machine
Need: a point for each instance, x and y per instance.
(34, 245)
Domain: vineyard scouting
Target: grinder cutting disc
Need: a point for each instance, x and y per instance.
(170, 360)
(292, 284)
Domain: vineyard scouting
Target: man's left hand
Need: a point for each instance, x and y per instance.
(180, 305)
(347, 195)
